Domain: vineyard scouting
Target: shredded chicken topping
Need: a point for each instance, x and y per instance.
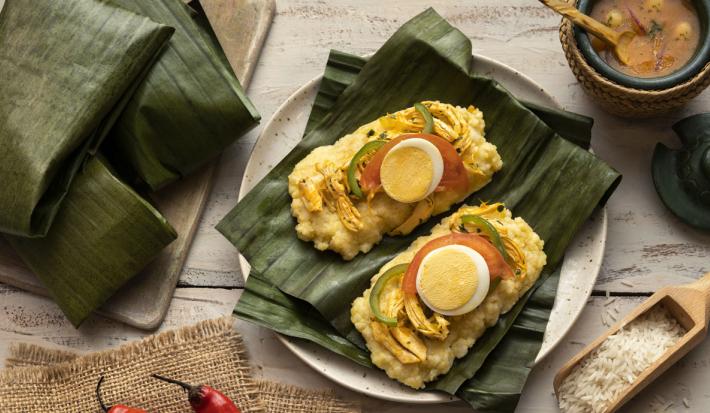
(436, 326)
(335, 195)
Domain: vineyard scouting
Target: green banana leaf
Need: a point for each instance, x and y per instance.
(552, 183)
(198, 15)
(103, 235)
(83, 60)
(263, 304)
(189, 109)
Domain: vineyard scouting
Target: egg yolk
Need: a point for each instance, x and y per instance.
(406, 174)
(448, 279)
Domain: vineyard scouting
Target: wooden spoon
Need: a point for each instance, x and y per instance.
(689, 304)
(618, 41)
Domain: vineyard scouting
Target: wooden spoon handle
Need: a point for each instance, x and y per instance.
(592, 26)
(703, 285)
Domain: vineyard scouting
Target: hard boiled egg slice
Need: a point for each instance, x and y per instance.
(453, 280)
(411, 170)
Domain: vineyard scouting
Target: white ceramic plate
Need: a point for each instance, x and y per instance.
(579, 271)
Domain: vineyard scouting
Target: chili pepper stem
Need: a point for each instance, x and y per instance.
(182, 384)
(98, 395)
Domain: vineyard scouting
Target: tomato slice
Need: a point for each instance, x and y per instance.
(454, 178)
(497, 266)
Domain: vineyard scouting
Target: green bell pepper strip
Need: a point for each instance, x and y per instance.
(493, 285)
(489, 230)
(428, 119)
(376, 292)
(352, 179)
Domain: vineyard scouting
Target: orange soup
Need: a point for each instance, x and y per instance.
(667, 34)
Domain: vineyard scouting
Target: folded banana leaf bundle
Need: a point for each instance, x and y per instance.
(95, 94)
(68, 70)
(189, 109)
(104, 231)
(552, 181)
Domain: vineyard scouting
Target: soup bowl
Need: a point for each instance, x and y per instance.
(696, 63)
(618, 93)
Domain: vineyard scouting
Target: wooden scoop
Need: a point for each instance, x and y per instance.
(689, 304)
(618, 41)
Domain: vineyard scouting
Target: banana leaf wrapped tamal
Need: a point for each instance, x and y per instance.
(90, 77)
(189, 109)
(103, 235)
(69, 68)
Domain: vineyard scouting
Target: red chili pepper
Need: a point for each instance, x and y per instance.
(205, 399)
(119, 408)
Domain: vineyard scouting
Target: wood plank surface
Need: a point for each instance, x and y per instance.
(647, 247)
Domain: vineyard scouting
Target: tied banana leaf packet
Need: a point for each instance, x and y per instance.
(103, 235)
(189, 109)
(68, 69)
(551, 182)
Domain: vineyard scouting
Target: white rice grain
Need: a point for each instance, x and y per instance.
(606, 372)
(660, 405)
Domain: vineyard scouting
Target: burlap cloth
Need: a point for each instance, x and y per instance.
(40, 380)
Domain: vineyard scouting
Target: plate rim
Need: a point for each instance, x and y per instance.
(439, 397)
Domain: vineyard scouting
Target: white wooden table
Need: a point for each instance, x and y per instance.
(647, 247)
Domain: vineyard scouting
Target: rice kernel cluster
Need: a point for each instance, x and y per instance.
(607, 371)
